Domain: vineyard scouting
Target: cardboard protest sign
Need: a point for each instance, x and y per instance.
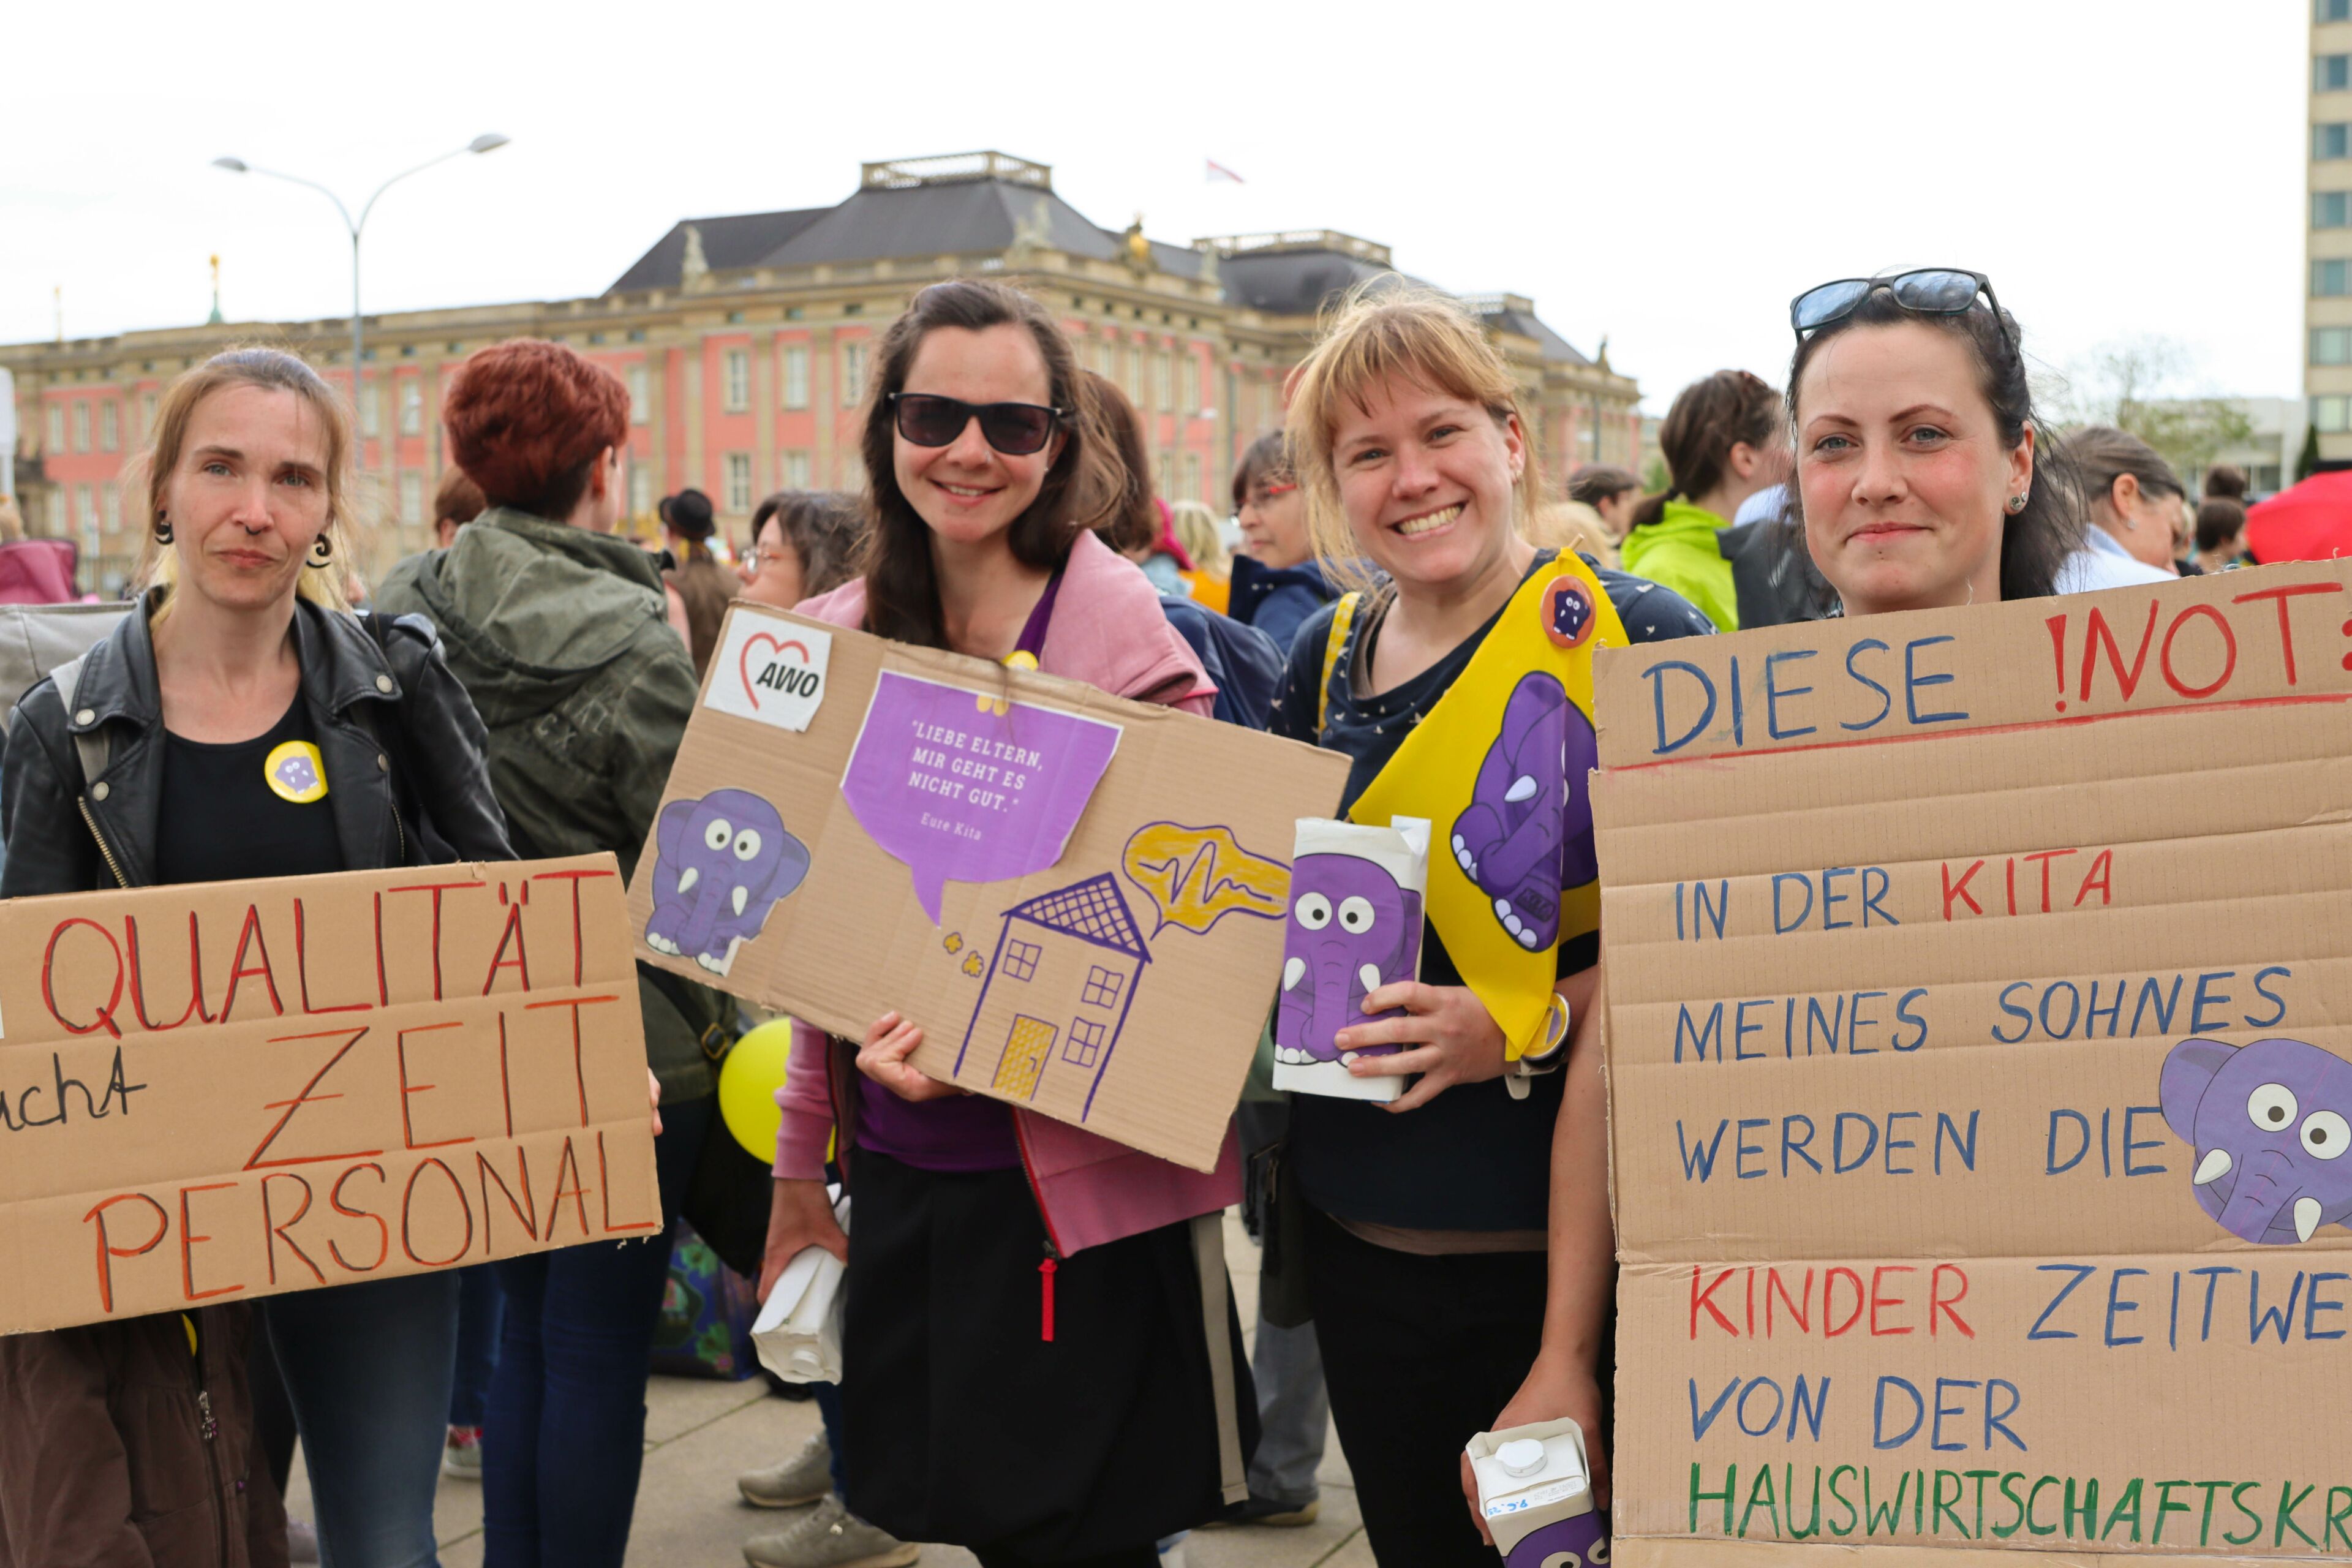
(1079, 899)
(1980, 1043)
(228, 1091)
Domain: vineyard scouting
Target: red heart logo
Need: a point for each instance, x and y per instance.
(744, 662)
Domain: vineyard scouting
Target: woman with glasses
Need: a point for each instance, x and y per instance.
(1036, 1375)
(1923, 477)
(1276, 580)
(1723, 441)
(803, 543)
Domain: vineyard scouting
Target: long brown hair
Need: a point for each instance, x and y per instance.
(1081, 488)
(1709, 418)
(1134, 523)
(272, 370)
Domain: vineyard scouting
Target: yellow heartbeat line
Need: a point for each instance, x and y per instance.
(1203, 868)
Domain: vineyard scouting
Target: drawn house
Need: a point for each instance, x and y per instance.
(1058, 988)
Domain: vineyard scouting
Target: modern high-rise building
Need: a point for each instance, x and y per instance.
(746, 342)
(2328, 298)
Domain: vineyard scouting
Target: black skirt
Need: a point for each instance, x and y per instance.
(963, 1424)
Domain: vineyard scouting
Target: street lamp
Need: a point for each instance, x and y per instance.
(489, 142)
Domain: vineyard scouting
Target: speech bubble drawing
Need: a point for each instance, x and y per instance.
(964, 793)
(1195, 877)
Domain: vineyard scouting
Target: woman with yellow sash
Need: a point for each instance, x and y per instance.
(1458, 676)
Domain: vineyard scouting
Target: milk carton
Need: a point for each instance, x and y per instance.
(1535, 1496)
(798, 1331)
(1354, 925)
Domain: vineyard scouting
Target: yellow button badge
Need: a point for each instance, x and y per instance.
(296, 772)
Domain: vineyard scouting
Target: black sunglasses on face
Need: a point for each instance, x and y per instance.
(1929, 291)
(1015, 429)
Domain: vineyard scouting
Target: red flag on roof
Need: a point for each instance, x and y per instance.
(1219, 172)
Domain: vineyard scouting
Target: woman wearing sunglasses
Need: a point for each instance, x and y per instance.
(1036, 1377)
(1923, 477)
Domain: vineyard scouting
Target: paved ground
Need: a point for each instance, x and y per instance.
(698, 1435)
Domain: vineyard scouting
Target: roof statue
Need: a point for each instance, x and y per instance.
(1136, 250)
(1032, 232)
(695, 271)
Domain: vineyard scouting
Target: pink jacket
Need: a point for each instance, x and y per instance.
(1107, 630)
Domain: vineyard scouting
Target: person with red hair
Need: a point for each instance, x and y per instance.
(561, 634)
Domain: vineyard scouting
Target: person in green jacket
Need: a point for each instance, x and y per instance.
(1725, 439)
(560, 633)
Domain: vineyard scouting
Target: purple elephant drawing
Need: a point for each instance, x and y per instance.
(722, 863)
(2268, 1121)
(1528, 833)
(1352, 931)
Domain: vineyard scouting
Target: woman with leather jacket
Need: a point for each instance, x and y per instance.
(241, 722)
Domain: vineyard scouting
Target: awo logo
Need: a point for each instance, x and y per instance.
(770, 670)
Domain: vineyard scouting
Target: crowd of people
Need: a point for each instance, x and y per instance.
(1434, 1266)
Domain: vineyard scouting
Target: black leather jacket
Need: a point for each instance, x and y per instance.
(403, 746)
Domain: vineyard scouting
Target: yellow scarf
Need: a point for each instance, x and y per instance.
(1484, 766)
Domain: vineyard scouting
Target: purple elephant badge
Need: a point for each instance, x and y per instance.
(1528, 833)
(2268, 1123)
(721, 863)
(1352, 930)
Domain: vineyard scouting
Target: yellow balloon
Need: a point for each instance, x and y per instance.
(747, 1081)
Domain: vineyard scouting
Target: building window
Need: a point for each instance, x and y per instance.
(638, 413)
(736, 369)
(739, 482)
(1136, 372)
(1163, 382)
(1102, 987)
(2327, 415)
(371, 418)
(796, 377)
(86, 504)
(1021, 957)
(1192, 402)
(110, 426)
(412, 499)
(2331, 209)
(2331, 345)
(81, 427)
(146, 415)
(2331, 277)
(57, 427)
(1085, 1043)
(797, 471)
(110, 500)
(641, 490)
(2330, 142)
(853, 374)
(2331, 73)
(2331, 10)
(412, 409)
(1193, 476)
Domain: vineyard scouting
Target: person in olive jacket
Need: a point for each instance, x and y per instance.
(160, 757)
(561, 633)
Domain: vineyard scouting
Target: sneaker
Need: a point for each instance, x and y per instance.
(461, 1456)
(830, 1536)
(301, 1541)
(803, 1479)
(1260, 1510)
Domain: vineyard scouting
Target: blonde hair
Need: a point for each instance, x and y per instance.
(1195, 527)
(272, 370)
(1571, 527)
(1385, 330)
(12, 521)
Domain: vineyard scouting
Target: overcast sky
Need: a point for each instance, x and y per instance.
(1666, 172)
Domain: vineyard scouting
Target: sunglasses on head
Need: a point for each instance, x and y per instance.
(1929, 291)
(1015, 429)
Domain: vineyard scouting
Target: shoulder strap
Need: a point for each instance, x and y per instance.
(1343, 615)
(94, 748)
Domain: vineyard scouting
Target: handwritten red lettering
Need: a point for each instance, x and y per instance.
(383, 1231)
(107, 1251)
(273, 1232)
(251, 936)
(1940, 1302)
(189, 1240)
(579, 1069)
(350, 1037)
(408, 1209)
(407, 1129)
(196, 1008)
(605, 1175)
(575, 879)
(302, 969)
(436, 890)
(1960, 889)
(527, 1211)
(2279, 596)
(105, 1019)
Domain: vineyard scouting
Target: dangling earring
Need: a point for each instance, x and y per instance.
(323, 551)
(163, 529)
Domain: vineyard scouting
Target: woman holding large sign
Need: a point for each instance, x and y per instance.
(240, 721)
(1461, 685)
(1036, 1372)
